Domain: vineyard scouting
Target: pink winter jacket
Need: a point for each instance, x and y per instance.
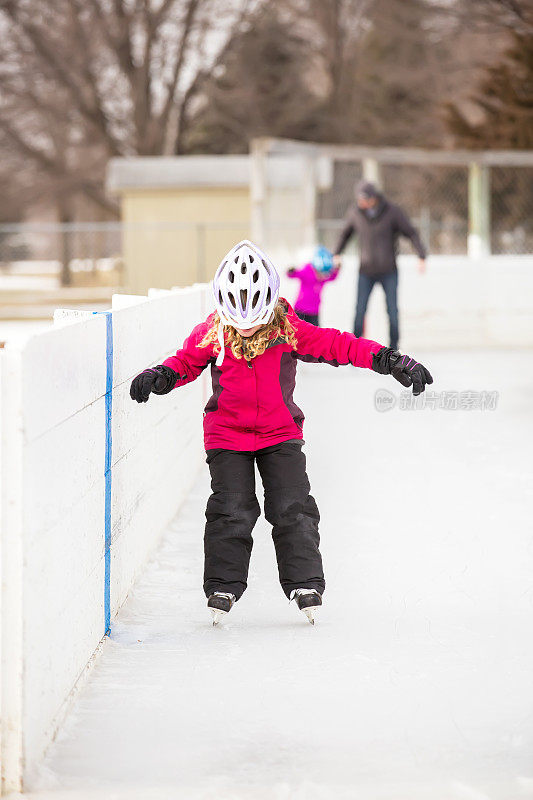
(251, 406)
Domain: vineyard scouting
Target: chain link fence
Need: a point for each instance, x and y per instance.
(435, 198)
(441, 191)
(511, 210)
(129, 256)
(94, 253)
(74, 253)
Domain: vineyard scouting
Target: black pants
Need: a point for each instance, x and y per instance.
(232, 511)
(312, 318)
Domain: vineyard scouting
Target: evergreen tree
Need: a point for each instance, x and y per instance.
(259, 89)
(505, 100)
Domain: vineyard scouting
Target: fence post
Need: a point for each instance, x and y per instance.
(309, 203)
(11, 561)
(478, 210)
(258, 189)
(425, 226)
(372, 170)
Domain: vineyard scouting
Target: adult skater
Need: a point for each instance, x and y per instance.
(253, 341)
(313, 277)
(378, 224)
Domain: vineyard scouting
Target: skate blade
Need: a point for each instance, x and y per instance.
(218, 615)
(309, 613)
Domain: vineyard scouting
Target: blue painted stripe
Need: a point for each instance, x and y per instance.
(107, 471)
(107, 466)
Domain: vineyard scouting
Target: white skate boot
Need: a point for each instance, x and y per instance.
(307, 600)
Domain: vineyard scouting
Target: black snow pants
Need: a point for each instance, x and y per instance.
(233, 509)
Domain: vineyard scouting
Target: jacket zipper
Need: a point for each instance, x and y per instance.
(251, 366)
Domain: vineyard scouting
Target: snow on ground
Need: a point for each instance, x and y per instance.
(31, 282)
(415, 683)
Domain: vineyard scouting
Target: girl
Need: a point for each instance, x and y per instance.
(312, 278)
(252, 343)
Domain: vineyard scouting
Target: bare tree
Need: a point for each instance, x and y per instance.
(259, 89)
(389, 66)
(335, 28)
(329, 70)
(382, 65)
(83, 80)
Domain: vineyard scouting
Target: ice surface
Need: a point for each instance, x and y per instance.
(416, 681)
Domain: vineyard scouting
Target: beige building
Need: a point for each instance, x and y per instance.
(182, 214)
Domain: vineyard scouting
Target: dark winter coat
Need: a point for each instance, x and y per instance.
(378, 237)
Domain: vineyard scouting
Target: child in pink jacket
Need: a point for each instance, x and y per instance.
(313, 277)
(252, 343)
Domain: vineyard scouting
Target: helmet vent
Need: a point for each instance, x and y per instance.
(231, 276)
(243, 269)
(250, 256)
(244, 297)
(255, 299)
(236, 259)
(265, 265)
(232, 300)
(269, 296)
(256, 276)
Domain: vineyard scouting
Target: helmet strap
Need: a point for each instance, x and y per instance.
(220, 357)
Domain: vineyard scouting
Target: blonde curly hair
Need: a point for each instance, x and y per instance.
(279, 327)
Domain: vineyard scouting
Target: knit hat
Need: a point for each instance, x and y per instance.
(366, 189)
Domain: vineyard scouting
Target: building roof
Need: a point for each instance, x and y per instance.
(159, 172)
(167, 172)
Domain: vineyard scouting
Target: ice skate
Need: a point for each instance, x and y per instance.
(307, 600)
(220, 604)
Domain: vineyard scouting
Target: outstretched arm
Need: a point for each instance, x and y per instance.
(406, 228)
(176, 370)
(348, 229)
(332, 275)
(191, 359)
(330, 346)
(294, 272)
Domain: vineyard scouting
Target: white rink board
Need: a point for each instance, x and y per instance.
(459, 302)
(59, 496)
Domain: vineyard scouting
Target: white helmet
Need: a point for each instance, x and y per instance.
(246, 287)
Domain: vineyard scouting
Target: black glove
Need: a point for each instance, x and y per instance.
(158, 380)
(405, 369)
